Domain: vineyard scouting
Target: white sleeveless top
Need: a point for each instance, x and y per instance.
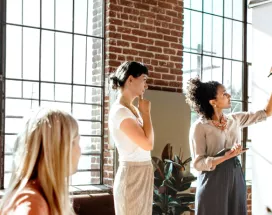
(127, 149)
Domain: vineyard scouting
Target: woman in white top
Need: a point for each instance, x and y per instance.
(132, 132)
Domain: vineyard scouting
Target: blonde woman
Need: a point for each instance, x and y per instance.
(132, 132)
(47, 153)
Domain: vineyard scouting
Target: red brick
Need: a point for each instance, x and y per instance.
(176, 46)
(133, 18)
(115, 49)
(114, 7)
(159, 10)
(129, 58)
(161, 69)
(154, 49)
(163, 18)
(175, 58)
(162, 57)
(149, 21)
(154, 62)
(122, 43)
(163, 30)
(148, 61)
(155, 75)
(169, 51)
(121, 58)
(114, 35)
(126, 3)
(147, 27)
(171, 13)
(177, 21)
(165, 5)
(139, 32)
(175, 84)
(179, 78)
(124, 16)
(141, 19)
(146, 41)
(170, 38)
(161, 44)
(150, 81)
(175, 71)
(130, 51)
(113, 21)
(133, 11)
(152, 87)
(176, 33)
(152, 2)
(124, 30)
(110, 28)
(147, 14)
(154, 35)
(131, 24)
(129, 38)
(168, 77)
(166, 64)
(141, 6)
(146, 54)
(138, 46)
(161, 82)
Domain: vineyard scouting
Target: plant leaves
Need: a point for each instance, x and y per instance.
(167, 152)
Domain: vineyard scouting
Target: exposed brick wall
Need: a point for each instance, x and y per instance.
(249, 193)
(148, 31)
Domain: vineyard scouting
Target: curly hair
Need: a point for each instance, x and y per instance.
(199, 94)
(120, 76)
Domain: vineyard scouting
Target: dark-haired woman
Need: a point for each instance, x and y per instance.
(132, 132)
(221, 188)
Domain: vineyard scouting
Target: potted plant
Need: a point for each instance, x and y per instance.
(170, 181)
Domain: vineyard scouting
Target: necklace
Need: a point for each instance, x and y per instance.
(222, 124)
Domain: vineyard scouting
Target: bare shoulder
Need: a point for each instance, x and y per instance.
(30, 202)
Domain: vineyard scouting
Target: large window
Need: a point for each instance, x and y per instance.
(52, 55)
(217, 46)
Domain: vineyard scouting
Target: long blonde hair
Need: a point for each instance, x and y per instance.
(43, 152)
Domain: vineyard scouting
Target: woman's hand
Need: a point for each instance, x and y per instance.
(236, 150)
(144, 105)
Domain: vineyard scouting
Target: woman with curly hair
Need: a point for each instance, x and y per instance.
(221, 188)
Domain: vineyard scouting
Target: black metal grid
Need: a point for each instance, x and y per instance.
(3, 78)
(201, 53)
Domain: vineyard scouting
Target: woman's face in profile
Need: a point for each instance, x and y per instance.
(76, 152)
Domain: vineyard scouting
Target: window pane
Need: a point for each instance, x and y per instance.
(80, 19)
(64, 15)
(63, 59)
(208, 6)
(186, 70)
(14, 52)
(228, 8)
(48, 14)
(207, 34)
(84, 178)
(227, 75)
(217, 36)
(237, 45)
(236, 106)
(31, 40)
(56, 92)
(85, 162)
(47, 56)
(238, 9)
(31, 90)
(187, 3)
(31, 13)
(195, 65)
(60, 105)
(217, 69)
(237, 80)
(89, 128)
(207, 69)
(8, 163)
(13, 125)
(249, 15)
(14, 11)
(26, 105)
(90, 112)
(218, 7)
(90, 144)
(13, 89)
(80, 59)
(93, 95)
(196, 32)
(227, 38)
(9, 143)
(196, 5)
